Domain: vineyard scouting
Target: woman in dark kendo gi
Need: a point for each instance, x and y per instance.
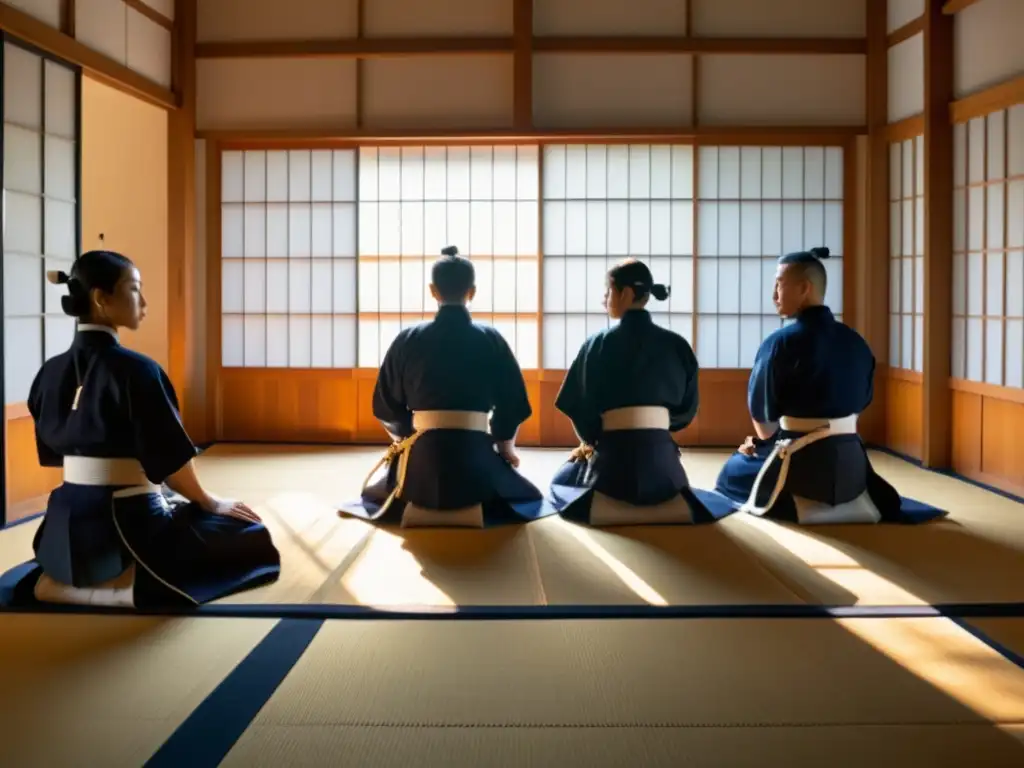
(810, 381)
(110, 417)
(451, 395)
(630, 387)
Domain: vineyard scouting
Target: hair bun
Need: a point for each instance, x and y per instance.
(661, 292)
(821, 252)
(57, 277)
(450, 250)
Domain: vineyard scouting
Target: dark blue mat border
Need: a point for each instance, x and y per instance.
(1008, 653)
(324, 612)
(213, 728)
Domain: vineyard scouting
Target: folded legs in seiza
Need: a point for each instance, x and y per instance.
(809, 382)
(448, 392)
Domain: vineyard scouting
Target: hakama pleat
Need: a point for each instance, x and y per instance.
(456, 479)
(828, 474)
(634, 477)
(182, 555)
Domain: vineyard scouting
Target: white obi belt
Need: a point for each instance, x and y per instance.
(606, 511)
(858, 511)
(415, 516)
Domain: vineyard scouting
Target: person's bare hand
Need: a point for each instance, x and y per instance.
(509, 455)
(236, 509)
(748, 448)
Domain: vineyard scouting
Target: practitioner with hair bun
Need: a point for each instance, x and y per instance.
(630, 387)
(109, 417)
(810, 382)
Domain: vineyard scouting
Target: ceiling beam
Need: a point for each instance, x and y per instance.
(365, 48)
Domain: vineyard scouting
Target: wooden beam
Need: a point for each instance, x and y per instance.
(522, 64)
(361, 47)
(356, 48)
(955, 6)
(992, 99)
(98, 66)
(360, 68)
(348, 136)
(938, 237)
(181, 222)
(736, 45)
(151, 14)
(872, 275)
(905, 32)
(904, 129)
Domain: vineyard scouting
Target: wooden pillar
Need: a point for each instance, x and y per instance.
(938, 235)
(522, 64)
(871, 316)
(181, 220)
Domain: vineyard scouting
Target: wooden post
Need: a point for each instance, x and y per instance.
(938, 235)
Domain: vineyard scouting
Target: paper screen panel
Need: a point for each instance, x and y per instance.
(415, 201)
(753, 205)
(603, 203)
(288, 268)
(988, 259)
(40, 211)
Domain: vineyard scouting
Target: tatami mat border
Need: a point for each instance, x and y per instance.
(556, 612)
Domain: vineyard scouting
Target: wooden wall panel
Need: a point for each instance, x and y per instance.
(407, 92)
(906, 78)
(125, 197)
(262, 94)
(806, 90)
(103, 26)
(900, 12)
(130, 33)
(28, 484)
(610, 17)
(237, 20)
(779, 18)
(903, 403)
(987, 45)
(290, 405)
(437, 18)
(987, 423)
(586, 91)
(47, 11)
(149, 48)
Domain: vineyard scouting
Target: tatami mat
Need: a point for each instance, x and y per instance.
(108, 691)
(421, 688)
(975, 557)
(890, 746)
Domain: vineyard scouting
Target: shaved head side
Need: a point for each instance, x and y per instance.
(808, 265)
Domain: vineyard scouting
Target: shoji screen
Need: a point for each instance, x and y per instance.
(288, 266)
(40, 211)
(603, 203)
(906, 254)
(414, 201)
(755, 204)
(988, 261)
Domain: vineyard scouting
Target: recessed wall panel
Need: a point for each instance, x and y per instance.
(47, 11)
(902, 12)
(438, 92)
(751, 90)
(987, 45)
(275, 93)
(906, 78)
(103, 26)
(586, 91)
(149, 48)
(779, 18)
(609, 17)
(437, 18)
(233, 20)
